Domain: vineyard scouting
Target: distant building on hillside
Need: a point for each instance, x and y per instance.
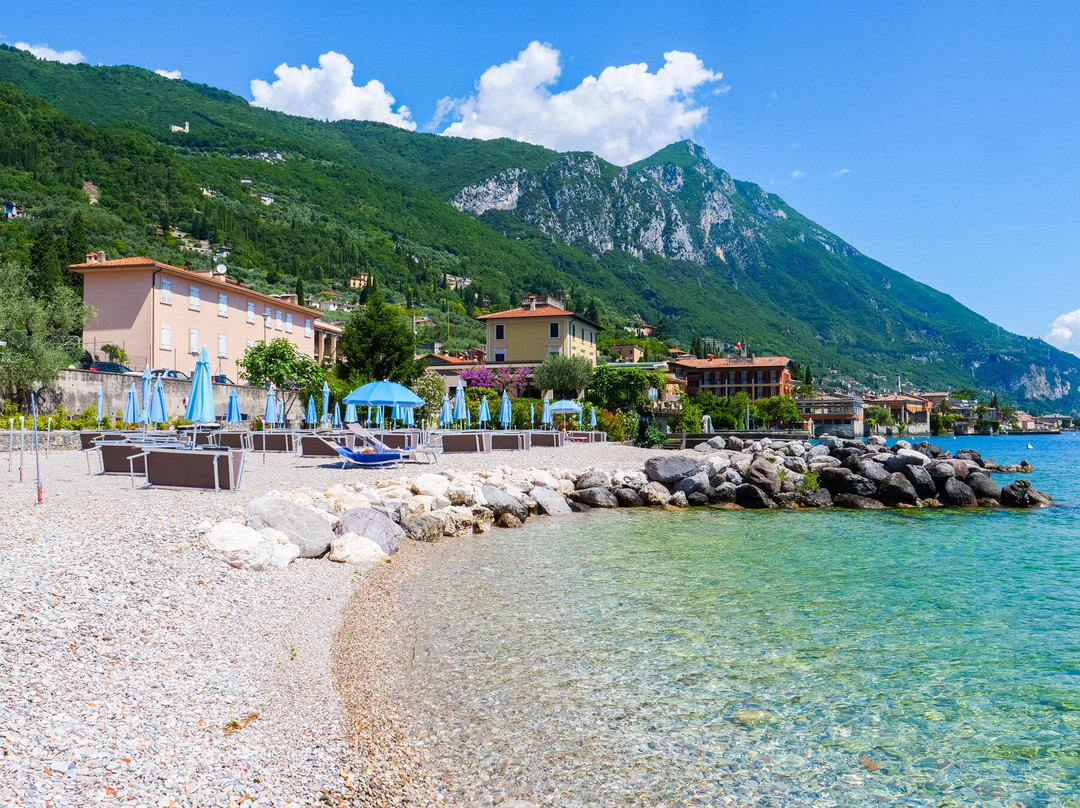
(627, 353)
(758, 377)
(359, 281)
(185, 128)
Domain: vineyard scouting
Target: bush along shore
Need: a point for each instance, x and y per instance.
(364, 524)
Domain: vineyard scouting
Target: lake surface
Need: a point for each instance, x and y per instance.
(763, 658)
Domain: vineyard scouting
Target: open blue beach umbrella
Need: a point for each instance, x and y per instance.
(325, 402)
(157, 412)
(232, 410)
(461, 412)
(446, 413)
(592, 418)
(100, 403)
(310, 415)
(147, 390)
(336, 420)
(350, 414)
(131, 406)
(384, 394)
(485, 411)
(545, 413)
(270, 413)
(200, 406)
(505, 412)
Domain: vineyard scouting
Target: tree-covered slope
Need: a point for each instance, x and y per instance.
(672, 236)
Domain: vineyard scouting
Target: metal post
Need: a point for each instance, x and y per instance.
(37, 455)
(22, 444)
(11, 445)
(48, 438)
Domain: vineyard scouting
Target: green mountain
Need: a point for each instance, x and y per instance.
(672, 236)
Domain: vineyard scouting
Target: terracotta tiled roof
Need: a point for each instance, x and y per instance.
(541, 310)
(452, 360)
(733, 362)
(123, 262)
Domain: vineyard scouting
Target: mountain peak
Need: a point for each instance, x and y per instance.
(682, 153)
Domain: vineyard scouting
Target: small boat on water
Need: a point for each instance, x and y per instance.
(1030, 446)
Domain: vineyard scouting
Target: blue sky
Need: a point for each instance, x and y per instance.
(938, 138)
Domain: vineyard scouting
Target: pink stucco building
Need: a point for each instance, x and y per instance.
(164, 315)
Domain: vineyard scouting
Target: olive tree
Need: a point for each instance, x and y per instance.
(565, 375)
(280, 363)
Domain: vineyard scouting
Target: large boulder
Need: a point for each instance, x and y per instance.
(303, 525)
(818, 498)
(483, 519)
(959, 467)
(796, 464)
(829, 441)
(733, 477)
(939, 473)
(425, 526)
(750, 496)
(927, 448)
(598, 498)
(240, 546)
(654, 494)
(970, 454)
(349, 548)
(983, 486)
(870, 469)
(1022, 494)
(897, 490)
(628, 498)
(670, 468)
(284, 551)
(375, 525)
(957, 493)
(858, 485)
(763, 474)
(741, 462)
(550, 502)
(856, 502)
(818, 450)
(823, 462)
(592, 479)
(697, 484)
(735, 443)
(501, 502)
(906, 457)
(725, 492)
(678, 500)
(716, 464)
(718, 443)
(921, 481)
(432, 485)
(459, 521)
(833, 478)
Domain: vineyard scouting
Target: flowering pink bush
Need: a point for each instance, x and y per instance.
(513, 380)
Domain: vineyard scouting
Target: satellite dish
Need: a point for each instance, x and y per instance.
(220, 269)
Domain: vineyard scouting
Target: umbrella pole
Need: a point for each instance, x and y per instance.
(37, 455)
(22, 444)
(11, 445)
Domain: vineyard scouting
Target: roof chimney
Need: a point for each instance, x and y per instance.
(530, 303)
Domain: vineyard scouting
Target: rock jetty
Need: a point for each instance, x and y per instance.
(364, 524)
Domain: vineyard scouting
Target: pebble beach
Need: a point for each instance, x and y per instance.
(138, 667)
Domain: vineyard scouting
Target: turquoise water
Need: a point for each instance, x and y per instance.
(776, 658)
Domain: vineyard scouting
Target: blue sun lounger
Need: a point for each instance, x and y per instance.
(372, 459)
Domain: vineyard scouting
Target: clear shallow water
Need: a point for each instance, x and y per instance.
(784, 658)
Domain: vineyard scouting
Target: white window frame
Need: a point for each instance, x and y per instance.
(277, 319)
(223, 346)
(166, 337)
(307, 327)
(267, 311)
(554, 330)
(251, 311)
(500, 356)
(193, 297)
(222, 305)
(554, 349)
(166, 291)
(193, 340)
(288, 322)
(500, 332)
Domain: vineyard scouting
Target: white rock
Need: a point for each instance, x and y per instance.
(540, 477)
(241, 546)
(283, 552)
(350, 548)
(434, 485)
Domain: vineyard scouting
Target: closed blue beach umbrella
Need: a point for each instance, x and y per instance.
(378, 415)
(410, 416)
(270, 413)
(592, 418)
(100, 403)
(200, 406)
(232, 410)
(131, 406)
(157, 403)
(461, 412)
(505, 412)
(350, 414)
(446, 413)
(370, 414)
(397, 413)
(310, 416)
(147, 390)
(336, 421)
(325, 402)
(281, 412)
(545, 413)
(468, 419)
(485, 412)
(532, 415)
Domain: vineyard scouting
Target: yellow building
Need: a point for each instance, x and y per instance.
(527, 335)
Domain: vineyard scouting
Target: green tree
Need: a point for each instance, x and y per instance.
(39, 334)
(378, 342)
(965, 394)
(278, 362)
(591, 314)
(779, 411)
(115, 353)
(877, 415)
(431, 388)
(624, 389)
(77, 243)
(566, 376)
(46, 272)
(300, 291)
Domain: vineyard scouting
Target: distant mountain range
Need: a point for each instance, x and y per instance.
(671, 236)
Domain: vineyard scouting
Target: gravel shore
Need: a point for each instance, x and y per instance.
(137, 667)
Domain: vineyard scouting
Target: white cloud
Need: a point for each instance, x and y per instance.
(169, 74)
(623, 115)
(327, 92)
(842, 172)
(1065, 332)
(797, 174)
(68, 57)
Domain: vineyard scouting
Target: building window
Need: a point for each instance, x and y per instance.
(307, 326)
(553, 330)
(166, 291)
(223, 305)
(573, 330)
(554, 350)
(267, 312)
(222, 346)
(193, 297)
(500, 356)
(277, 320)
(166, 337)
(251, 311)
(500, 331)
(193, 341)
(288, 323)
(251, 343)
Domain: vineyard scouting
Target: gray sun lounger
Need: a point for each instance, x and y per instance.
(211, 469)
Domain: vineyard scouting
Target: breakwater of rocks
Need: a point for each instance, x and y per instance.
(364, 524)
